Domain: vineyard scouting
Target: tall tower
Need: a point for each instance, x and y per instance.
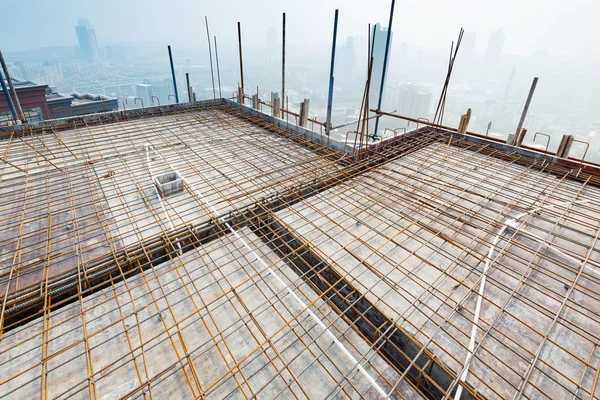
(144, 92)
(378, 54)
(86, 35)
(494, 48)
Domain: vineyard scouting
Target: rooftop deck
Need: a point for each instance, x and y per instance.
(283, 268)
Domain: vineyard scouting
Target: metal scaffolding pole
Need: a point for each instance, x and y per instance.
(331, 79)
(189, 88)
(283, 59)
(527, 103)
(218, 72)
(173, 74)
(212, 75)
(241, 60)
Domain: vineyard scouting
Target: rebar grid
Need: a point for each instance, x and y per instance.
(413, 235)
(111, 173)
(408, 226)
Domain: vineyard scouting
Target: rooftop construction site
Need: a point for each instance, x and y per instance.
(230, 248)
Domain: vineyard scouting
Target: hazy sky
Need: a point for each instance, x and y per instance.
(561, 27)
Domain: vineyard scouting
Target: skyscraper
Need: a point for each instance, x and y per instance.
(144, 92)
(494, 48)
(88, 46)
(409, 99)
(378, 54)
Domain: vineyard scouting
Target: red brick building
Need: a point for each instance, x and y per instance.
(32, 97)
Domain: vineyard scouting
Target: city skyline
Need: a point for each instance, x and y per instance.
(480, 82)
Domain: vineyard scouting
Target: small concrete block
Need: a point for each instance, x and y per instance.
(168, 183)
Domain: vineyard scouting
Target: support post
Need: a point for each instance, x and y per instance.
(565, 146)
(13, 92)
(173, 75)
(304, 112)
(330, 96)
(8, 99)
(277, 108)
(239, 95)
(212, 75)
(519, 137)
(241, 62)
(464, 122)
(385, 59)
(283, 59)
(526, 108)
(275, 105)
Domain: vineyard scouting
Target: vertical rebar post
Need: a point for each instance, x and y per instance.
(241, 61)
(283, 59)
(527, 103)
(212, 75)
(331, 79)
(218, 71)
(173, 74)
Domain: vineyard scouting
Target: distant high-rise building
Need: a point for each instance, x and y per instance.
(161, 89)
(144, 92)
(53, 73)
(88, 46)
(379, 55)
(409, 99)
(494, 48)
(21, 70)
(468, 46)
